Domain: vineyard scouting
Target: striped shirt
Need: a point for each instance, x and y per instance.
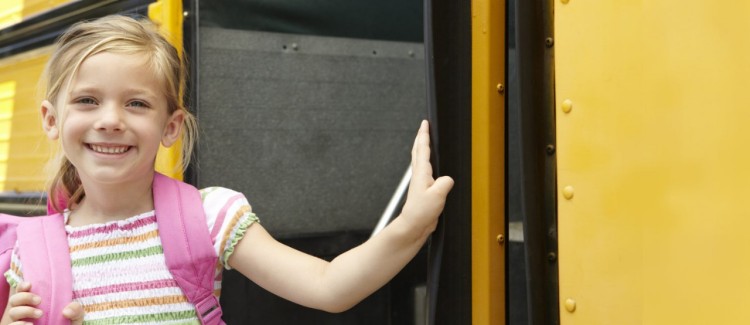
(120, 275)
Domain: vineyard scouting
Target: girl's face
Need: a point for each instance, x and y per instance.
(115, 116)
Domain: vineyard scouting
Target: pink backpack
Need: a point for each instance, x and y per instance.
(185, 238)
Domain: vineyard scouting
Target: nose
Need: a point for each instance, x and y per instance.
(110, 118)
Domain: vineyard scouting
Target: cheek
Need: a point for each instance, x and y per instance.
(152, 136)
(72, 130)
(70, 126)
(67, 138)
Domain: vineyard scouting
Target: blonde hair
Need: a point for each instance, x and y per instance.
(113, 34)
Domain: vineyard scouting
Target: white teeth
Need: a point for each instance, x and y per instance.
(112, 150)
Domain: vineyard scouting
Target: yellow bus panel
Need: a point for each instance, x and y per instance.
(24, 150)
(168, 15)
(14, 11)
(653, 176)
(488, 162)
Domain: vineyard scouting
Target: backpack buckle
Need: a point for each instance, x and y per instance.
(209, 310)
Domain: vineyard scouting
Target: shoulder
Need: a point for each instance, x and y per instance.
(223, 208)
(220, 197)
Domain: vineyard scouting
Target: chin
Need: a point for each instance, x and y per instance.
(111, 177)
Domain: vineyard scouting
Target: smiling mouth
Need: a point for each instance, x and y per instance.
(112, 150)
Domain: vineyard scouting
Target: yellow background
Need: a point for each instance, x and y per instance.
(24, 149)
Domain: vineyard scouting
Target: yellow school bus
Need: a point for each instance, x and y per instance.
(597, 147)
(630, 129)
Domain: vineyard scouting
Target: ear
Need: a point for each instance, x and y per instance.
(173, 128)
(49, 120)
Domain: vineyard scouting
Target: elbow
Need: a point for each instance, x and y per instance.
(337, 309)
(336, 306)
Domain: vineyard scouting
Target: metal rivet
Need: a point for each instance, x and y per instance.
(500, 88)
(567, 105)
(411, 53)
(568, 192)
(550, 149)
(570, 305)
(500, 239)
(551, 256)
(564, 1)
(549, 41)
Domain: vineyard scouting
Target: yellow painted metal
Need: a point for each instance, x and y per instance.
(488, 162)
(14, 11)
(10, 12)
(168, 15)
(656, 149)
(34, 7)
(24, 150)
(7, 97)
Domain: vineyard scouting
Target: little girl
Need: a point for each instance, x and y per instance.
(113, 95)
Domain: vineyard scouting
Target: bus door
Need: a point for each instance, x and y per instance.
(650, 105)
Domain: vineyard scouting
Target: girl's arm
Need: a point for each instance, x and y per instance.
(352, 276)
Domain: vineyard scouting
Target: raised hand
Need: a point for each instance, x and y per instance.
(426, 197)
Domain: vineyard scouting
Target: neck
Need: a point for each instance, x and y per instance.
(106, 202)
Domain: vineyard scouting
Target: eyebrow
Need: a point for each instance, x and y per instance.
(131, 92)
(86, 89)
(141, 92)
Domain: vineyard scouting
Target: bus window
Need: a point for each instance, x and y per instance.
(394, 20)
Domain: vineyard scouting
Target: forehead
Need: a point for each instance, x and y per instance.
(114, 71)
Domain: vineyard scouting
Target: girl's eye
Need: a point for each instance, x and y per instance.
(87, 100)
(138, 103)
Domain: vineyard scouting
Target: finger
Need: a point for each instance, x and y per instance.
(23, 312)
(22, 323)
(414, 151)
(74, 312)
(24, 299)
(423, 148)
(23, 287)
(422, 166)
(443, 185)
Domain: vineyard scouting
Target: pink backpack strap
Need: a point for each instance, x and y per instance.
(43, 244)
(8, 226)
(188, 247)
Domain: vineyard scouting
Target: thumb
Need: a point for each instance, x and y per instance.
(74, 312)
(443, 185)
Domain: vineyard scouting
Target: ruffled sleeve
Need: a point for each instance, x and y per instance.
(14, 275)
(228, 215)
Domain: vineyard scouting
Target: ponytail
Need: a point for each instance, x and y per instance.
(65, 190)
